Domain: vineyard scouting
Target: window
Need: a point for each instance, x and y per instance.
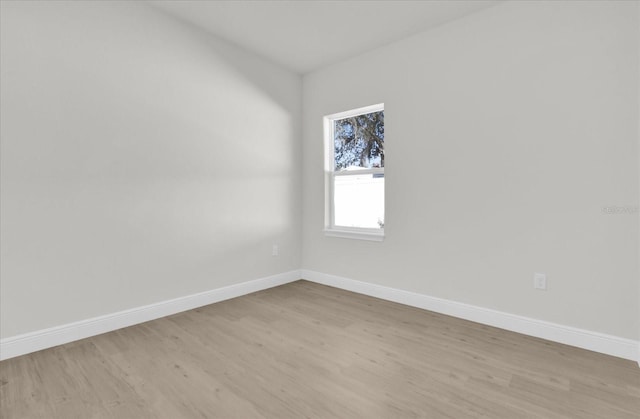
(354, 173)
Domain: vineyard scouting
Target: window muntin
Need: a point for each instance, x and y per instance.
(354, 164)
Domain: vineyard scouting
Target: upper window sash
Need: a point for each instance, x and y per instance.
(329, 127)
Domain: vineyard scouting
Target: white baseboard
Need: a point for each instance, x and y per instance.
(47, 338)
(594, 341)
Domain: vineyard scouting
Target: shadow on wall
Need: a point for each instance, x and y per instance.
(142, 160)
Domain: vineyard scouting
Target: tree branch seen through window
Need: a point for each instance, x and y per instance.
(359, 141)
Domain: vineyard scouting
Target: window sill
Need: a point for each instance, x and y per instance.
(357, 235)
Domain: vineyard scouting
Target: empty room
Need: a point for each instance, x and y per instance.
(319, 209)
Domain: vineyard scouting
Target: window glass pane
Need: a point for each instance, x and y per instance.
(359, 141)
(359, 200)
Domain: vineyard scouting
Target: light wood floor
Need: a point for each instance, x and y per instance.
(306, 350)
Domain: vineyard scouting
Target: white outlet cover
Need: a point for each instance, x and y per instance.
(539, 281)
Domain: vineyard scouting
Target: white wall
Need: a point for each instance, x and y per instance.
(142, 160)
(638, 156)
(520, 123)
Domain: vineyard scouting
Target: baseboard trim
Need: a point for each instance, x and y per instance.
(58, 335)
(581, 338)
(593, 341)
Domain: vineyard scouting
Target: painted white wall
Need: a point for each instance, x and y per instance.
(520, 123)
(142, 160)
(638, 156)
(145, 160)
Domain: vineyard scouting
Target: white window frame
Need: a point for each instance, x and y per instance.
(330, 229)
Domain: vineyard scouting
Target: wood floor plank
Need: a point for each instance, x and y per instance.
(311, 351)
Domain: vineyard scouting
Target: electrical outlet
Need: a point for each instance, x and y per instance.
(275, 250)
(540, 281)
